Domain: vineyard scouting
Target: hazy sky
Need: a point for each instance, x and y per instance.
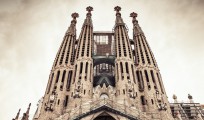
(32, 31)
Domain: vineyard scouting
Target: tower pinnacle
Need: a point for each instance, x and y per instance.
(16, 118)
(74, 16)
(134, 15)
(26, 115)
(27, 112)
(137, 28)
(119, 20)
(88, 20)
(89, 9)
(117, 9)
(72, 28)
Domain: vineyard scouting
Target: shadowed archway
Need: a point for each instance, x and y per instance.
(104, 117)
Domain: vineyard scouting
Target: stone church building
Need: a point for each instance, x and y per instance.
(104, 75)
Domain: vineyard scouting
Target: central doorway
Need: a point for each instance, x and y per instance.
(104, 118)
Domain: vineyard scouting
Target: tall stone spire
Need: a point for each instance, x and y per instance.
(137, 29)
(119, 20)
(26, 115)
(125, 75)
(65, 55)
(17, 116)
(117, 87)
(142, 49)
(72, 29)
(82, 83)
(57, 93)
(153, 96)
(88, 20)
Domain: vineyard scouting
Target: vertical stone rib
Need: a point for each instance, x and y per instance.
(147, 70)
(68, 49)
(58, 53)
(125, 80)
(63, 55)
(83, 62)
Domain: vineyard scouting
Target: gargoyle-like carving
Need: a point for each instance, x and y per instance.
(78, 89)
(130, 89)
(160, 104)
(52, 99)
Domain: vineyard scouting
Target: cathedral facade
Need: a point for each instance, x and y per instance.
(104, 76)
(100, 76)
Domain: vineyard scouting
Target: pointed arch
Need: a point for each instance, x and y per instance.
(105, 116)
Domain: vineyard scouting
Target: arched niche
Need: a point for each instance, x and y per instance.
(104, 116)
(104, 96)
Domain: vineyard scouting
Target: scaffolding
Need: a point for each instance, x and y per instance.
(187, 111)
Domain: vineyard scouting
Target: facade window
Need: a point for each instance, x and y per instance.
(117, 71)
(143, 100)
(81, 67)
(75, 71)
(58, 102)
(146, 75)
(66, 101)
(50, 83)
(121, 67)
(90, 72)
(152, 74)
(160, 83)
(133, 74)
(57, 78)
(63, 75)
(101, 39)
(86, 70)
(126, 66)
(69, 79)
(140, 80)
(147, 79)
(153, 79)
(152, 101)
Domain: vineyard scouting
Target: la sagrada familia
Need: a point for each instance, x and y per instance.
(104, 76)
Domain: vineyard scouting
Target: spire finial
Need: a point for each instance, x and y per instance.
(27, 112)
(16, 118)
(26, 115)
(174, 96)
(190, 97)
(117, 9)
(75, 15)
(134, 15)
(89, 9)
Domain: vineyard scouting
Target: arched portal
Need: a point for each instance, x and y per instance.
(106, 117)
